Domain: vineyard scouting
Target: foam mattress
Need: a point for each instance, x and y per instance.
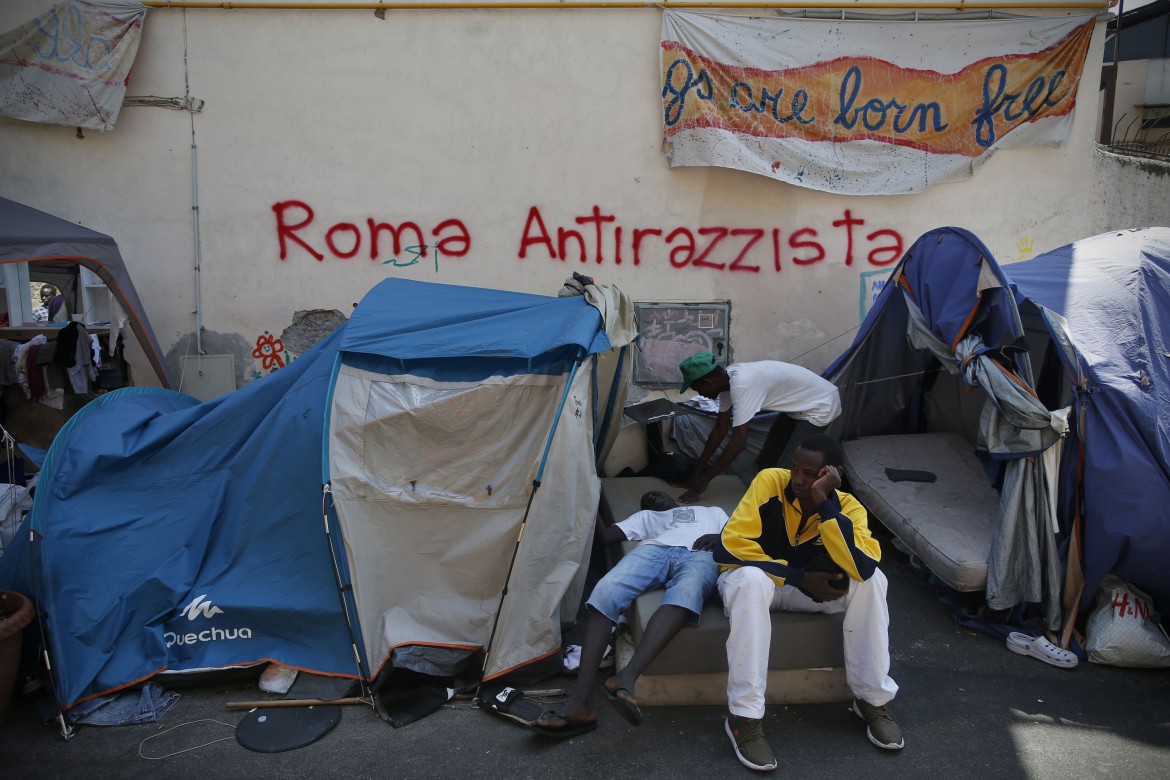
(799, 641)
(947, 523)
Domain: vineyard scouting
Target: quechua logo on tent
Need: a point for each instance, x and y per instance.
(201, 608)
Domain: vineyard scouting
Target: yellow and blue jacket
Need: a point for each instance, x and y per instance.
(765, 531)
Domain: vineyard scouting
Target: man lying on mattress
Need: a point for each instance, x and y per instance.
(796, 543)
(674, 553)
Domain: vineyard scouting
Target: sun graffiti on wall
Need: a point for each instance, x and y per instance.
(270, 351)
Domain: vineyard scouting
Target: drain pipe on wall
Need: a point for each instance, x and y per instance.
(198, 257)
(210, 375)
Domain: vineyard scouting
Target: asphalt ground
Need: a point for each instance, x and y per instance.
(969, 708)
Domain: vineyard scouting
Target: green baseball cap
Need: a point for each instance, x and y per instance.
(695, 367)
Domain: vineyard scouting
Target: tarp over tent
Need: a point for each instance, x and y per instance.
(1080, 327)
(31, 236)
(178, 535)
(1113, 291)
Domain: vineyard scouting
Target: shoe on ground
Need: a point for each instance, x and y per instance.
(1041, 648)
(747, 737)
(881, 727)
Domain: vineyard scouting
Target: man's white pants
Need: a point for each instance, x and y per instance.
(749, 595)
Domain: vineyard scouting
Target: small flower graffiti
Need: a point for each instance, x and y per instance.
(267, 351)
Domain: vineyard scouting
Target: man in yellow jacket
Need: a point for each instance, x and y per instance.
(796, 543)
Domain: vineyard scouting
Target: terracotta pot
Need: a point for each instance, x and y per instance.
(20, 613)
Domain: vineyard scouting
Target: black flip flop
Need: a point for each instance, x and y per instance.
(570, 729)
(510, 704)
(627, 708)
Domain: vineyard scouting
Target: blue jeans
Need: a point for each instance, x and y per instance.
(688, 576)
(126, 708)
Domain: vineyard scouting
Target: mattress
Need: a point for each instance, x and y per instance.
(948, 523)
(799, 641)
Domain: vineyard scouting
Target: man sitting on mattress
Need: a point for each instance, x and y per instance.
(796, 543)
(674, 553)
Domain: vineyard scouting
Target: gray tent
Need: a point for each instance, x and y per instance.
(48, 242)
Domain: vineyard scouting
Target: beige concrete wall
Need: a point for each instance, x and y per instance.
(1131, 191)
(481, 123)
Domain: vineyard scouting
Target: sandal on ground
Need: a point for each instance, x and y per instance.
(510, 704)
(626, 706)
(1040, 648)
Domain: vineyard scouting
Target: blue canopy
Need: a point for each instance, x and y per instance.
(429, 321)
(178, 535)
(1113, 290)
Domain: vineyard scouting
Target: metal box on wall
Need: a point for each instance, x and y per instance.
(670, 332)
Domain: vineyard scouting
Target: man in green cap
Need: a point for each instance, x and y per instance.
(807, 404)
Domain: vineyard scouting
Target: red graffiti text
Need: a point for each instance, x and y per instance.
(345, 240)
(602, 239)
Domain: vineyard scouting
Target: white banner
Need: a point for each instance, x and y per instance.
(69, 66)
(865, 108)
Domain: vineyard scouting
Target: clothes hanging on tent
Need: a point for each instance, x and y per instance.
(1024, 565)
(616, 308)
(34, 372)
(79, 367)
(65, 354)
(617, 312)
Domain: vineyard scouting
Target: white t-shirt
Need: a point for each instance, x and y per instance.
(678, 527)
(779, 387)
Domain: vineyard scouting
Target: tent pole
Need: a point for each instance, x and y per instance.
(341, 589)
(487, 651)
(329, 538)
(556, 420)
(67, 732)
(326, 492)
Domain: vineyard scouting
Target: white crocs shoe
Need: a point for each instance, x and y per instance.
(1041, 648)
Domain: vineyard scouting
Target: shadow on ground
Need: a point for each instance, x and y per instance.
(968, 706)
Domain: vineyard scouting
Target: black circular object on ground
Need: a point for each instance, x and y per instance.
(276, 729)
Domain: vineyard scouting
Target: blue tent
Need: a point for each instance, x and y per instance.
(174, 535)
(1113, 293)
(1068, 351)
